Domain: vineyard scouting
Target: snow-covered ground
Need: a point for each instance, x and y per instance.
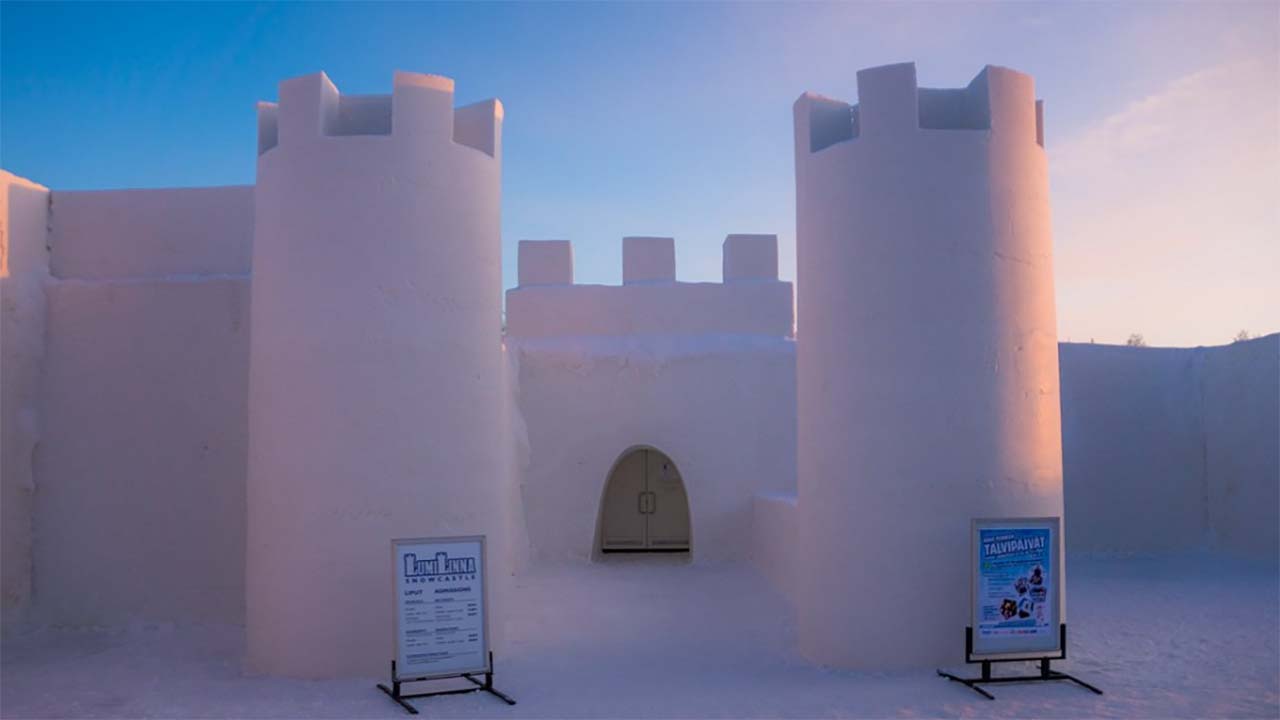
(1192, 636)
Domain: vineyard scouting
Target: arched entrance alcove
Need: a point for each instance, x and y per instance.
(644, 507)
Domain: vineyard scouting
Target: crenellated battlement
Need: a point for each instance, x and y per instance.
(419, 107)
(649, 260)
(892, 105)
(650, 301)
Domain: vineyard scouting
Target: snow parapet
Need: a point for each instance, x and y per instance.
(420, 106)
(890, 104)
(650, 302)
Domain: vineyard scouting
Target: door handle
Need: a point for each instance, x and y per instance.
(647, 503)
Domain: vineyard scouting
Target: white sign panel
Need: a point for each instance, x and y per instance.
(440, 612)
(1017, 587)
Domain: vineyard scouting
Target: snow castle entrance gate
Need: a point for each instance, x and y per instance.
(645, 507)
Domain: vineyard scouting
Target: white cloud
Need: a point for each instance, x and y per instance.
(1166, 212)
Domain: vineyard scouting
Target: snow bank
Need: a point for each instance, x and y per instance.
(648, 639)
(1171, 448)
(24, 266)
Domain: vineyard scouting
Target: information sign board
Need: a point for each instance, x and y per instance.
(1016, 587)
(441, 625)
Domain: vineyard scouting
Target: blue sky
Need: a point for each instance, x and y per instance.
(675, 119)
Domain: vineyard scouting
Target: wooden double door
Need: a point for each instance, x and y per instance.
(645, 505)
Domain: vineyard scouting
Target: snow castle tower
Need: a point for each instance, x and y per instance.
(927, 355)
(376, 371)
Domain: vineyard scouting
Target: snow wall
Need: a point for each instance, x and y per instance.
(927, 361)
(774, 541)
(24, 266)
(1164, 450)
(140, 474)
(376, 391)
(1186, 439)
(703, 372)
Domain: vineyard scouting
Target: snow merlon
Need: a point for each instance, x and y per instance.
(650, 260)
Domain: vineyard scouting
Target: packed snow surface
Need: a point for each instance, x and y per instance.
(1192, 636)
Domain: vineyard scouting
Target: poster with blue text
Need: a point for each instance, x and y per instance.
(440, 626)
(1016, 586)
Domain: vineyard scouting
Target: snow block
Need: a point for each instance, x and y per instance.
(268, 126)
(363, 115)
(142, 462)
(750, 257)
(887, 100)
(120, 234)
(545, 262)
(308, 108)
(479, 125)
(773, 538)
(1009, 99)
(422, 105)
(821, 122)
(740, 308)
(648, 259)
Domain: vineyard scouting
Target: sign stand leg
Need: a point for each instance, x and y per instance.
(1046, 673)
(487, 685)
(402, 699)
(394, 692)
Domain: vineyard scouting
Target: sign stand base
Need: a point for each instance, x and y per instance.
(487, 686)
(1045, 672)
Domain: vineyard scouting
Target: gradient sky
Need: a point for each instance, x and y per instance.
(1162, 121)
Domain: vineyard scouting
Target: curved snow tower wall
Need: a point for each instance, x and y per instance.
(375, 362)
(927, 356)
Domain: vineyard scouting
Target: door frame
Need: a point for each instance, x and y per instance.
(597, 542)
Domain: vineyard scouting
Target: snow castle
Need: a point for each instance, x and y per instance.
(221, 404)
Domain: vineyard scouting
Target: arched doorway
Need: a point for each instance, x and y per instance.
(645, 507)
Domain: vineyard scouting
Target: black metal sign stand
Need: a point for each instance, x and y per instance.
(394, 691)
(1045, 672)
